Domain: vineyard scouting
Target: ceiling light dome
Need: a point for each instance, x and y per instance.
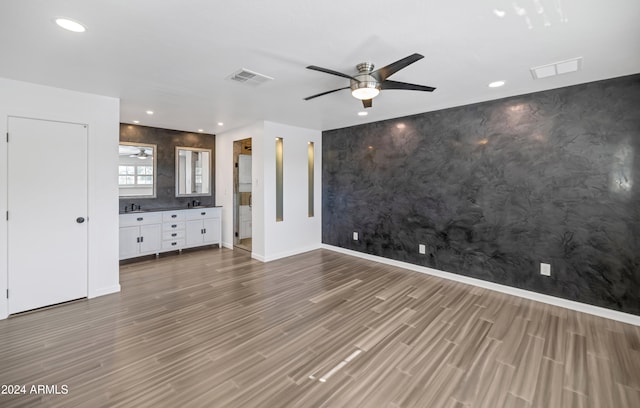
(364, 92)
(70, 25)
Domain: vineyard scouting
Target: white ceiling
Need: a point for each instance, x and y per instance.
(173, 57)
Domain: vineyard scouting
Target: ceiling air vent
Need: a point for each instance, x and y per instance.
(557, 68)
(245, 76)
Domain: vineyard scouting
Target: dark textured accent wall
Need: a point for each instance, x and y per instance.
(495, 188)
(166, 141)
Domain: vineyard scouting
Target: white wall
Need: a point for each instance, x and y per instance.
(297, 232)
(101, 114)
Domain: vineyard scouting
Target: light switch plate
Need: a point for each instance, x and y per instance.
(422, 249)
(355, 236)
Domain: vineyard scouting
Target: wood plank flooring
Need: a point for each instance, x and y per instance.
(213, 328)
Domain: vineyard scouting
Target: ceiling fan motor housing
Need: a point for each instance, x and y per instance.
(364, 85)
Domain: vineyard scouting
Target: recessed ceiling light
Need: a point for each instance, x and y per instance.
(499, 13)
(149, 112)
(220, 124)
(496, 84)
(70, 25)
(200, 130)
(363, 113)
(136, 121)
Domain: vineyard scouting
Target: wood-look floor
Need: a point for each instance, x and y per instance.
(213, 328)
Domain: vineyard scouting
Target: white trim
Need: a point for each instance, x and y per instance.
(539, 297)
(227, 245)
(104, 291)
(286, 254)
(297, 251)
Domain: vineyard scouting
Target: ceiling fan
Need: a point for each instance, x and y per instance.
(142, 154)
(367, 83)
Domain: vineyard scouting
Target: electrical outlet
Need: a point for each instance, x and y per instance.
(355, 236)
(422, 249)
(545, 269)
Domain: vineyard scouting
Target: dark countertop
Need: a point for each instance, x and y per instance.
(146, 210)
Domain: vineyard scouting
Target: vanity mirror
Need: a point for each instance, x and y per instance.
(137, 170)
(193, 172)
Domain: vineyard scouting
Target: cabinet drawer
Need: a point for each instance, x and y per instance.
(201, 213)
(171, 216)
(172, 226)
(173, 235)
(174, 244)
(130, 220)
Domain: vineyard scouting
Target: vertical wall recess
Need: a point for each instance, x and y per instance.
(279, 158)
(310, 156)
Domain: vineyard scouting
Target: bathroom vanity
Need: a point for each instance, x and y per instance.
(152, 232)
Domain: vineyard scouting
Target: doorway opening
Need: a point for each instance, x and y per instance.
(242, 224)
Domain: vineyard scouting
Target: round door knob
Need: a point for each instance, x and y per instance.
(80, 220)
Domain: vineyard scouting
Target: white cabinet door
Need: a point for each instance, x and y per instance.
(211, 231)
(48, 213)
(194, 232)
(150, 238)
(129, 246)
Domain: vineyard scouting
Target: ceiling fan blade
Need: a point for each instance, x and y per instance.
(403, 85)
(385, 72)
(367, 103)
(330, 71)
(324, 93)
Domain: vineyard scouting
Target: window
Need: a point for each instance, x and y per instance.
(135, 175)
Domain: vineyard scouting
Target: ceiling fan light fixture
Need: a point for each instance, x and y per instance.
(70, 25)
(142, 154)
(365, 93)
(364, 86)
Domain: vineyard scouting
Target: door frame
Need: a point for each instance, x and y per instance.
(237, 152)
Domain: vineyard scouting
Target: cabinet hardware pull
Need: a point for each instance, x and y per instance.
(205, 231)
(141, 239)
(139, 218)
(174, 243)
(173, 226)
(203, 213)
(138, 239)
(174, 235)
(173, 215)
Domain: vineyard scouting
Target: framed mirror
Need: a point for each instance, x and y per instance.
(137, 170)
(193, 172)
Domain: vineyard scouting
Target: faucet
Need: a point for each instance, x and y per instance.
(134, 207)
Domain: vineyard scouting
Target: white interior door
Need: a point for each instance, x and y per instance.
(47, 203)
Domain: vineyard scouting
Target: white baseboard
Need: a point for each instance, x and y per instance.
(539, 297)
(227, 245)
(257, 257)
(286, 254)
(104, 291)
